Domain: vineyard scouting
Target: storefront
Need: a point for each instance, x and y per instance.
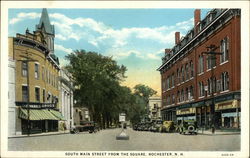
(230, 113)
(185, 114)
(41, 120)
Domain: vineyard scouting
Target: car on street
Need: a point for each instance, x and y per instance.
(156, 125)
(188, 127)
(167, 126)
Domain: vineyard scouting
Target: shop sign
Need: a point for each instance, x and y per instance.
(231, 114)
(227, 105)
(185, 111)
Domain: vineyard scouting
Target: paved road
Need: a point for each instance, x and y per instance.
(105, 140)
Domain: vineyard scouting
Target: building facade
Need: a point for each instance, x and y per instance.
(200, 75)
(154, 107)
(36, 71)
(66, 98)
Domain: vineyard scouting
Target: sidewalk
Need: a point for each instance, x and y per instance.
(40, 134)
(218, 132)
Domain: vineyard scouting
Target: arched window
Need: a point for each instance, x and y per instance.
(186, 94)
(201, 64)
(173, 79)
(178, 97)
(182, 74)
(191, 95)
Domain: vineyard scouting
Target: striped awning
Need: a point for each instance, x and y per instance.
(37, 114)
(58, 115)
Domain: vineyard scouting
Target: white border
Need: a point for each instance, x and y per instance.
(244, 5)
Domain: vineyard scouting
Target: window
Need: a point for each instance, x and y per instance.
(182, 74)
(201, 89)
(224, 81)
(186, 94)
(201, 64)
(49, 97)
(173, 99)
(191, 69)
(44, 95)
(187, 72)
(155, 106)
(224, 49)
(211, 61)
(36, 71)
(173, 80)
(43, 73)
(178, 96)
(25, 93)
(24, 69)
(37, 94)
(191, 95)
(178, 76)
(182, 95)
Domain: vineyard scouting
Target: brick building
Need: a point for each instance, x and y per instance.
(34, 87)
(200, 75)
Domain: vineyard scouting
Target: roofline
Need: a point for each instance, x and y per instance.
(193, 39)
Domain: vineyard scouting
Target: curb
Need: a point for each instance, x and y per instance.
(38, 135)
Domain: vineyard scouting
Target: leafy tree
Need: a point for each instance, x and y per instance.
(96, 78)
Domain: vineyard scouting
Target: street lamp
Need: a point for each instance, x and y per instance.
(212, 57)
(27, 60)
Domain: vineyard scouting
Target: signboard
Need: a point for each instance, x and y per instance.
(122, 117)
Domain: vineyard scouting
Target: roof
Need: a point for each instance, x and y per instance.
(45, 23)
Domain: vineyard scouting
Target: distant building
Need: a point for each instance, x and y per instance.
(154, 107)
(66, 98)
(33, 83)
(201, 86)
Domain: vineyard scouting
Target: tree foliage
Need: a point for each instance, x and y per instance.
(97, 80)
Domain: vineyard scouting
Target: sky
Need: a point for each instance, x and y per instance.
(135, 38)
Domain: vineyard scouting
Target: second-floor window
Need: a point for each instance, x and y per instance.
(224, 49)
(187, 72)
(24, 69)
(173, 80)
(36, 71)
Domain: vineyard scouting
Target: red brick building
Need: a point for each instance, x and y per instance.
(206, 60)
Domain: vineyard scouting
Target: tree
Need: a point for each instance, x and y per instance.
(97, 80)
(142, 94)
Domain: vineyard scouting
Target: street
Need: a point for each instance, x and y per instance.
(105, 140)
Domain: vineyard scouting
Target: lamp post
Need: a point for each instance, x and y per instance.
(27, 60)
(212, 57)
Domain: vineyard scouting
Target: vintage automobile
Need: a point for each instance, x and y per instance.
(156, 125)
(188, 127)
(167, 126)
(85, 126)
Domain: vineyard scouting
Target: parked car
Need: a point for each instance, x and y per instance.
(156, 126)
(167, 126)
(86, 126)
(188, 127)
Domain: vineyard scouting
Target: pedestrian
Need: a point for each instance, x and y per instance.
(213, 129)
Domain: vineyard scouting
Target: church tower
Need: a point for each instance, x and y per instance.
(47, 30)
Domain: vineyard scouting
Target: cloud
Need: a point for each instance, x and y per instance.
(119, 43)
(24, 16)
(61, 48)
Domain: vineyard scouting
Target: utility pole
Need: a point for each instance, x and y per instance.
(27, 60)
(212, 57)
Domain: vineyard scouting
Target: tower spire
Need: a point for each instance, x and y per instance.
(45, 22)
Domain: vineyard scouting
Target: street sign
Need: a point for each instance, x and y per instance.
(122, 117)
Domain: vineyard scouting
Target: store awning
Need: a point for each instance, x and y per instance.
(37, 114)
(57, 114)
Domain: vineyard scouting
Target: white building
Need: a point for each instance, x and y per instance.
(81, 114)
(11, 99)
(154, 107)
(66, 98)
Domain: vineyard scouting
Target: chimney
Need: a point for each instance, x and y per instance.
(197, 18)
(167, 51)
(177, 37)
